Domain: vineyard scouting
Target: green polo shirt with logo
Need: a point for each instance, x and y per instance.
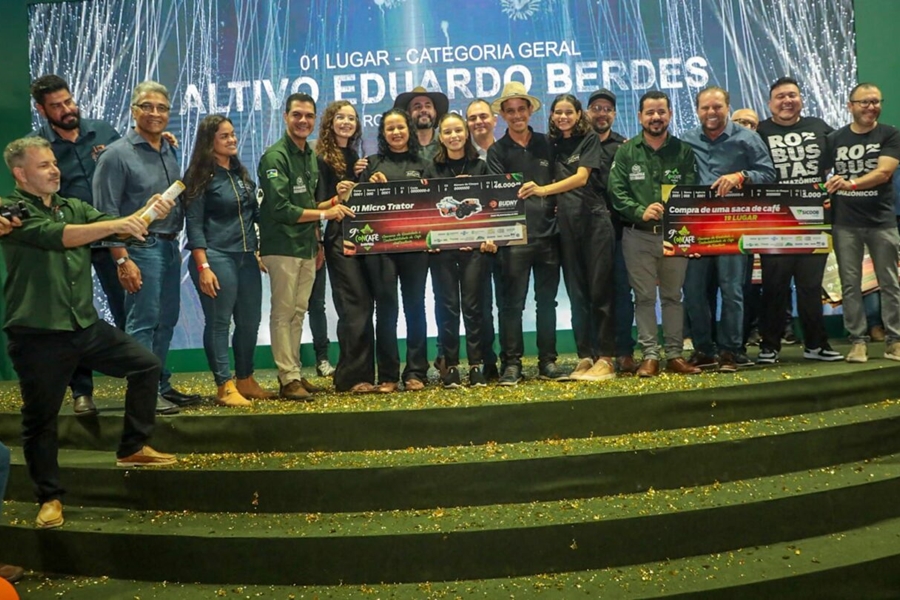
(287, 179)
(49, 286)
(639, 171)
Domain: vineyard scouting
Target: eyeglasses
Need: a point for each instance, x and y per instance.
(149, 108)
(868, 103)
(603, 110)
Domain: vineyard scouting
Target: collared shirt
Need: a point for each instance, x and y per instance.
(129, 172)
(77, 160)
(287, 177)
(430, 151)
(639, 171)
(534, 162)
(224, 217)
(49, 286)
(736, 149)
(569, 154)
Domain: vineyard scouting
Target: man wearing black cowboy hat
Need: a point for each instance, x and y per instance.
(426, 108)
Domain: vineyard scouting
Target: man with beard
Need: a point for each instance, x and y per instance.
(426, 109)
(482, 121)
(77, 144)
(797, 145)
(602, 113)
(129, 171)
(865, 155)
(642, 165)
(728, 156)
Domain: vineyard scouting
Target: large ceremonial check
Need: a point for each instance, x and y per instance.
(420, 214)
(758, 219)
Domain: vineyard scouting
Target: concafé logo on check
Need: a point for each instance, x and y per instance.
(365, 236)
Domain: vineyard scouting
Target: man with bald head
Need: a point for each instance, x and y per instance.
(746, 117)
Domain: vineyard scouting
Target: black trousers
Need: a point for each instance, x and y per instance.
(458, 279)
(318, 321)
(82, 383)
(807, 271)
(45, 361)
(411, 269)
(492, 282)
(587, 251)
(541, 256)
(351, 291)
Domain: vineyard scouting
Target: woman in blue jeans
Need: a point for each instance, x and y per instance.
(221, 216)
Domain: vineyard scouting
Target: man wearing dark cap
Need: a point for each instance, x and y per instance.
(426, 108)
(602, 113)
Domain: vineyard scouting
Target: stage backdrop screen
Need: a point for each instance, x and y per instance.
(243, 57)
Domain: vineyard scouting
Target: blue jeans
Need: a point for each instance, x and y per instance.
(730, 272)
(151, 313)
(239, 297)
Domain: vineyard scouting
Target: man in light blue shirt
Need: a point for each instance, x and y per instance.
(728, 156)
(129, 172)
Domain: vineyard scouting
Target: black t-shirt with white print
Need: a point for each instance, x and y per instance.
(853, 155)
(798, 151)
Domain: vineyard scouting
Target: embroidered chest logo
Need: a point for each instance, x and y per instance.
(299, 186)
(637, 174)
(673, 176)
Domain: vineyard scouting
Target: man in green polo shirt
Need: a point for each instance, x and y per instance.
(642, 165)
(288, 240)
(53, 327)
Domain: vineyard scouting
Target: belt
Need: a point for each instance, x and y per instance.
(655, 229)
(164, 236)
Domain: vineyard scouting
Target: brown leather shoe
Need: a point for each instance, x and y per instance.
(701, 360)
(649, 368)
(50, 515)
(249, 388)
(294, 390)
(681, 367)
(312, 389)
(726, 362)
(626, 364)
(11, 573)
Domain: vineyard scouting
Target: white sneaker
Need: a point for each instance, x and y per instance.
(825, 353)
(324, 369)
(858, 354)
(892, 352)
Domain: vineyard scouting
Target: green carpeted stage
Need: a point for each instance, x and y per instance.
(777, 481)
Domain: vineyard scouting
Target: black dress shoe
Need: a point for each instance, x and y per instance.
(164, 407)
(180, 398)
(84, 406)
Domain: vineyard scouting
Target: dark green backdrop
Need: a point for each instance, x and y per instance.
(875, 23)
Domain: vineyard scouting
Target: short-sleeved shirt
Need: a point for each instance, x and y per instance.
(396, 166)
(77, 160)
(735, 149)
(853, 155)
(534, 161)
(455, 168)
(569, 154)
(224, 217)
(798, 151)
(49, 286)
(129, 172)
(288, 177)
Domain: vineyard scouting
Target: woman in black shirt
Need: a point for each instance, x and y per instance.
(458, 275)
(398, 158)
(337, 151)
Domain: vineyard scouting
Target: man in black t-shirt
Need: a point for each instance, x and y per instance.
(865, 155)
(797, 145)
(522, 150)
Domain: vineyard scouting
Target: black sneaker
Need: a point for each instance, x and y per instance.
(512, 375)
(450, 379)
(825, 353)
(742, 360)
(476, 377)
(551, 372)
(766, 356)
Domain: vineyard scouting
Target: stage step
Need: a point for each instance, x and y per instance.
(458, 543)
(478, 475)
(858, 563)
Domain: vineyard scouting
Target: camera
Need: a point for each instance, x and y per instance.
(19, 209)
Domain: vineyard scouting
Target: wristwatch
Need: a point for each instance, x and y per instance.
(746, 176)
(121, 261)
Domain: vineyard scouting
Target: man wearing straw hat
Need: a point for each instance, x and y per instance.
(522, 150)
